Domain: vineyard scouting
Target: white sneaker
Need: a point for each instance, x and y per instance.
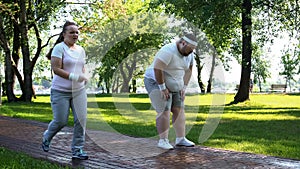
(184, 142)
(164, 144)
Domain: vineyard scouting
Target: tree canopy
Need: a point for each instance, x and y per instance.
(17, 19)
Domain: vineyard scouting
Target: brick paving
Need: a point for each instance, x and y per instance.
(121, 151)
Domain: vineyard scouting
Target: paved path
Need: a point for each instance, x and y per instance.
(122, 151)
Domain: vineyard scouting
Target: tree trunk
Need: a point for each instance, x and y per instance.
(9, 76)
(199, 69)
(211, 73)
(107, 85)
(27, 67)
(0, 90)
(243, 92)
(8, 83)
(128, 74)
(259, 84)
(133, 85)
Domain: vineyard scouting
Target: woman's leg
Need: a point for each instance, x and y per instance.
(79, 109)
(60, 103)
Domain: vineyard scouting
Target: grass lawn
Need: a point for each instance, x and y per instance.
(267, 124)
(16, 160)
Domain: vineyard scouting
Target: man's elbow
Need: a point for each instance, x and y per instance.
(55, 70)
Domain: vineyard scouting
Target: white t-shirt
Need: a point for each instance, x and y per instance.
(73, 61)
(176, 66)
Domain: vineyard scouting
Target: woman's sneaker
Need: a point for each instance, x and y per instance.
(80, 155)
(164, 144)
(45, 145)
(184, 142)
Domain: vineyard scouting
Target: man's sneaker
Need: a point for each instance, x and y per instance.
(80, 155)
(164, 144)
(45, 145)
(184, 142)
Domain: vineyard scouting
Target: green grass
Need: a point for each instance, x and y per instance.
(16, 160)
(268, 124)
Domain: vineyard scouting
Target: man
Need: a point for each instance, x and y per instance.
(166, 81)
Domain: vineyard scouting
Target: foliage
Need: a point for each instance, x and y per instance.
(277, 18)
(20, 21)
(114, 61)
(260, 67)
(290, 63)
(115, 31)
(217, 19)
(259, 62)
(221, 22)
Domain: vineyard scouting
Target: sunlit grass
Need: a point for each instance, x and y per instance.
(16, 160)
(266, 124)
(258, 116)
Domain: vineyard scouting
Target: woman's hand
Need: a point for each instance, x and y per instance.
(82, 79)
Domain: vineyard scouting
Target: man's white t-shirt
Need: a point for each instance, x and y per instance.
(73, 61)
(176, 66)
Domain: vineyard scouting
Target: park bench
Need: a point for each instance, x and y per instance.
(278, 88)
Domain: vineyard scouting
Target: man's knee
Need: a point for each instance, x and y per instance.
(163, 115)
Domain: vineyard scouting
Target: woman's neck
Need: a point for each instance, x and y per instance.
(70, 45)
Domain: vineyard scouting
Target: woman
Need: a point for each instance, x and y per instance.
(68, 89)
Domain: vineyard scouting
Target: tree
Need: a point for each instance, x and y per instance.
(217, 19)
(221, 22)
(276, 18)
(123, 28)
(290, 58)
(17, 19)
(243, 91)
(260, 67)
(124, 67)
(290, 63)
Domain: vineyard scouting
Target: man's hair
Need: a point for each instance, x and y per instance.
(191, 36)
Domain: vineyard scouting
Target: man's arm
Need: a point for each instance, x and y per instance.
(186, 79)
(187, 75)
(159, 68)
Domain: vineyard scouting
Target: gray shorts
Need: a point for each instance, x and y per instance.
(157, 100)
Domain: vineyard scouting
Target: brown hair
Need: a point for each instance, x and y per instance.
(61, 37)
(190, 36)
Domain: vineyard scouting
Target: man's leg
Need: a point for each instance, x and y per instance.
(162, 118)
(162, 107)
(178, 121)
(163, 114)
(163, 124)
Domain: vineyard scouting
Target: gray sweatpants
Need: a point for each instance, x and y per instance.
(61, 102)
